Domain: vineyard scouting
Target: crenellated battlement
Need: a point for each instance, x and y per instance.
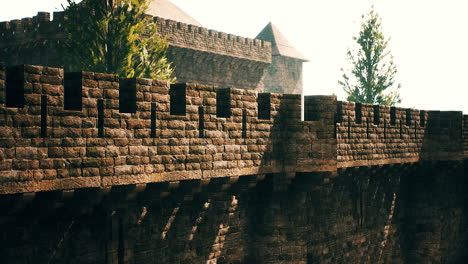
(97, 168)
(179, 34)
(184, 35)
(63, 130)
(25, 23)
(29, 27)
(373, 133)
(89, 130)
(198, 54)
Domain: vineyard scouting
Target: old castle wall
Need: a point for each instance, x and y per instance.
(94, 169)
(198, 54)
(385, 215)
(79, 133)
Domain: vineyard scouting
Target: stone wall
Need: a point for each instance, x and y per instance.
(436, 224)
(388, 214)
(31, 40)
(212, 69)
(76, 130)
(376, 134)
(198, 54)
(97, 169)
(207, 40)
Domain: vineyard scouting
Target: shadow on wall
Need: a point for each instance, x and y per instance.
(292, 216)
(161, 225)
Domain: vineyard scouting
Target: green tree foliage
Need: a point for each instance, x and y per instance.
(372, 77)
(115, 36)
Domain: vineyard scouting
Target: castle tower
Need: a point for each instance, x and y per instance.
(284, 75)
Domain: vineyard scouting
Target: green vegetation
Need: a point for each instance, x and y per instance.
(115, 36)
(372, 77)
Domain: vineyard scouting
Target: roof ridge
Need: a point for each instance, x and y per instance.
(168, 10)
(280, 45)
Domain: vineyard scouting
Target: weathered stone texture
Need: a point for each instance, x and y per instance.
(163, 138)
(214, 69)
(387, 214)
(95, 169)
(198, 55)
(364, 139)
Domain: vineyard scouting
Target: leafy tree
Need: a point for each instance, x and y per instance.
(115, 36)
(372, 77)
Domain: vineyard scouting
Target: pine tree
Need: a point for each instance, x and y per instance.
(372, 77)
(115, 36)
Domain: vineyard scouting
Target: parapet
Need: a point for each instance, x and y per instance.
(203, 39)
(377, 134)
(62, 130)
(41, 27)
(28, 28)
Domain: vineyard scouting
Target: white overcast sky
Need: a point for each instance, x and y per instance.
(429, 38)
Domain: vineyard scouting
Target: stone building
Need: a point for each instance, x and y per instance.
(268, 63)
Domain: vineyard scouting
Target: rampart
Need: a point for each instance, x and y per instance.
(84, 129)
(76, 130)
(97, 169)
(375, 135)
(207, 40)
(198, 54)
(180, 34)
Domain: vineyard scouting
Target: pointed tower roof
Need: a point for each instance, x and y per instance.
(166, 9)
(280, 45)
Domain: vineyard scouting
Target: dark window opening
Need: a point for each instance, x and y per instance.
(401, 129)
(127, 95)
(408, 117)
(339, 113)
(177, 100)
(385, 129)
(264, 106)
(201, 122)
(422, 118)
(14, 92)
(358, 111)
(368, 129)
(73, 88)
(153, 120)
(392, 116)
(376, 114)
(223, 102)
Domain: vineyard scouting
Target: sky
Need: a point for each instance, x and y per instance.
(428, 39)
